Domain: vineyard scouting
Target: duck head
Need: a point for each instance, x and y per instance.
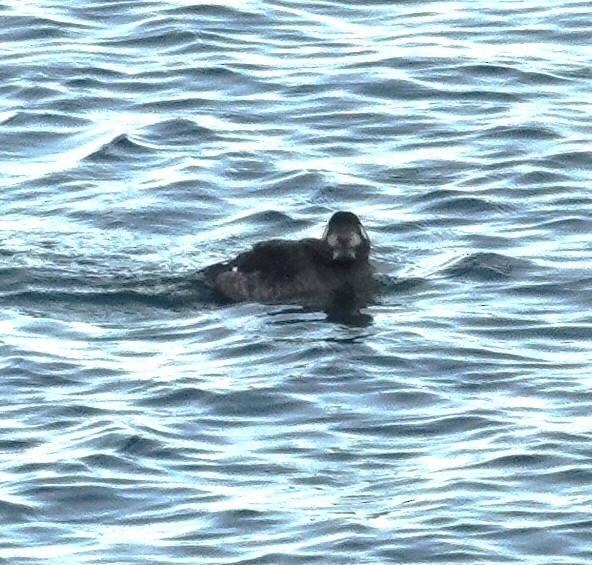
(346, 238)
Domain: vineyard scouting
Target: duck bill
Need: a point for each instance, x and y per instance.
(344, 255)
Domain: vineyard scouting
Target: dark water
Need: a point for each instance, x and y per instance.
(142, 423)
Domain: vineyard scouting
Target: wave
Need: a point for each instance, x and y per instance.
(120, 148)
(487, 266)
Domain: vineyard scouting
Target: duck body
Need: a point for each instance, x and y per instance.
(316, 272)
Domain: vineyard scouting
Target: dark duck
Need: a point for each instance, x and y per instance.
(328, 273)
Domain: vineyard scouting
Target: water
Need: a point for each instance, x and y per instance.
(143, 140)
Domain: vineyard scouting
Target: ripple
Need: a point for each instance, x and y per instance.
(487, 267)
(397, 89)
(450, 201)
(512, 74)
(525, 133)
(177, 132)
(572, 159)
(120, 148)
(16, 512)
(45, 120)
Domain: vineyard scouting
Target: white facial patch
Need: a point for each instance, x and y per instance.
(355, 240)
(333, 240)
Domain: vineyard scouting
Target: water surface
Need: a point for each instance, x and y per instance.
(144, 423)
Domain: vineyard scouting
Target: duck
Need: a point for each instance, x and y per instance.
(326, 272)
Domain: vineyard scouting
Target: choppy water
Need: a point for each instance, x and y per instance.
(143, 140)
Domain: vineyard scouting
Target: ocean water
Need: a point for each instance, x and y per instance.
(142, 140)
